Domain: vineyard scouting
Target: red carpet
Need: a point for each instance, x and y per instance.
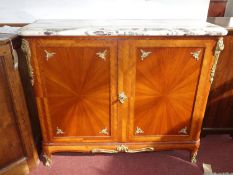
(214, 150)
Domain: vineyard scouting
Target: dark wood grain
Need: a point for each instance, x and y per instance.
(17, 150)
(8, 123)
(219, 111)
(217, 8)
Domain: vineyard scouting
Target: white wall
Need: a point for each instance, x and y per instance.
(229, 9)
(23, 11)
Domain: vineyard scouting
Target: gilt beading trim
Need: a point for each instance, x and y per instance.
(26, 49)
(194, 158)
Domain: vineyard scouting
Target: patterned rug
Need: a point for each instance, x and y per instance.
(208, 170)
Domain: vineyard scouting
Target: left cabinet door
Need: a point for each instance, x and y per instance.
(76, 89)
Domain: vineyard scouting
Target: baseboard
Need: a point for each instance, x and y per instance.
(206, 131)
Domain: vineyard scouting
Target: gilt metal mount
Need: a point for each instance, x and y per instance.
(59, 131)
(47, 160)
(219, 47)
(183, 130)
(139, 131)
(196, 54)
(102, 55)
(108, 151)
(194, 158)
(49, 54)
(144, 54)
(122, 148)
(104, 131)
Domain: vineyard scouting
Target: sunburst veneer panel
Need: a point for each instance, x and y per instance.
(166, 83)
(77, 85)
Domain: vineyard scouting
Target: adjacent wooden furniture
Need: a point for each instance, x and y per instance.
(217, 8)
(17, 151)
(219, 111)
(121, 85)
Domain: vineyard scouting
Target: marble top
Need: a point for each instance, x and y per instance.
(226, 22)
(121, 28)
(7, 33)
(9, 29)
(6, 37)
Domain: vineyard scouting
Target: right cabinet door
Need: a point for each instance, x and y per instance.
(167, 83)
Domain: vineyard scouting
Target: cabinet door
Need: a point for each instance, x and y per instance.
(75, 85)
(164, 82)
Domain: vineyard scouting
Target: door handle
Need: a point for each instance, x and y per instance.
(122, 97)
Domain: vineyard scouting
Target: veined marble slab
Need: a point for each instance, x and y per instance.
(121, 28)
(9, 29)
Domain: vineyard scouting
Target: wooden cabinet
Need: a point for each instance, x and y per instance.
(17, 151)
(219, 109)
(121, 94)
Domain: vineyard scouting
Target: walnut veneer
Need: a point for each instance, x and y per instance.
(120, 94)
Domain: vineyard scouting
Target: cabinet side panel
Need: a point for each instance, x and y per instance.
(10, 147)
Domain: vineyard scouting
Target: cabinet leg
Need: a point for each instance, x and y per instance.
(47, 161)
(194, 156)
